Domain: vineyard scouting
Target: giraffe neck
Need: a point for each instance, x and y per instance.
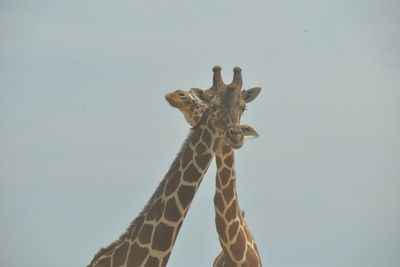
(237, 242)
(151, 236)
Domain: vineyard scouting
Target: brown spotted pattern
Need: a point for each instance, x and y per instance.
(150, 238)
(239, 248)
(237, 242)
(188, 104)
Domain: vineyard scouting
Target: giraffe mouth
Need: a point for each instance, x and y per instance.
(172, 100)
(235, 137)
(236, 142)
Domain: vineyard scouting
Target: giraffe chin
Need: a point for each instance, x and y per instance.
(236, 142)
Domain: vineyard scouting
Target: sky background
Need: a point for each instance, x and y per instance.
(86, 134)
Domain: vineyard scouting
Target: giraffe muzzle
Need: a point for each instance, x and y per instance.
(235, 137)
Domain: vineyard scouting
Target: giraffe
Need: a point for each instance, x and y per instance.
(238, 244)
(190, 106)
(239, 247)
(150, 238)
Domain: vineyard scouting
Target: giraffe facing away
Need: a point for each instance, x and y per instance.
(239, 247)
(150, 238)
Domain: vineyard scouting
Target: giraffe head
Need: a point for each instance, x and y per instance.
(226, 104)
(191, 107)
(193, 110)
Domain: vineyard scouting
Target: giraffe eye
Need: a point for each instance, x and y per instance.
(181, 94)
(244, 108)
(213, 107)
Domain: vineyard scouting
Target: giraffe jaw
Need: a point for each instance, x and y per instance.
(236, 142)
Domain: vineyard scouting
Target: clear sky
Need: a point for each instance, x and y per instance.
(86, 134)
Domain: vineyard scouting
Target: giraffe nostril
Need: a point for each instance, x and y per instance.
(233, 132)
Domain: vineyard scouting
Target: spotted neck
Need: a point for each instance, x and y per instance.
(238, 245)
(236, 251)
(150, 238)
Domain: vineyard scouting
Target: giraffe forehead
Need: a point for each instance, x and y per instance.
(229, 97)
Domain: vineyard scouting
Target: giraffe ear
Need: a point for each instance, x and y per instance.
(199, 94)
(250, 94)
(248, 132)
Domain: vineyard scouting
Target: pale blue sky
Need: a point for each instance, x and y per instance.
(86, 134)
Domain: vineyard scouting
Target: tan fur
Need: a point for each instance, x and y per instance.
(188, 104)
(244, 247)
(150, 238)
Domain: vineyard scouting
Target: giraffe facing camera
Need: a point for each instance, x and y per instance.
(226, 103)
